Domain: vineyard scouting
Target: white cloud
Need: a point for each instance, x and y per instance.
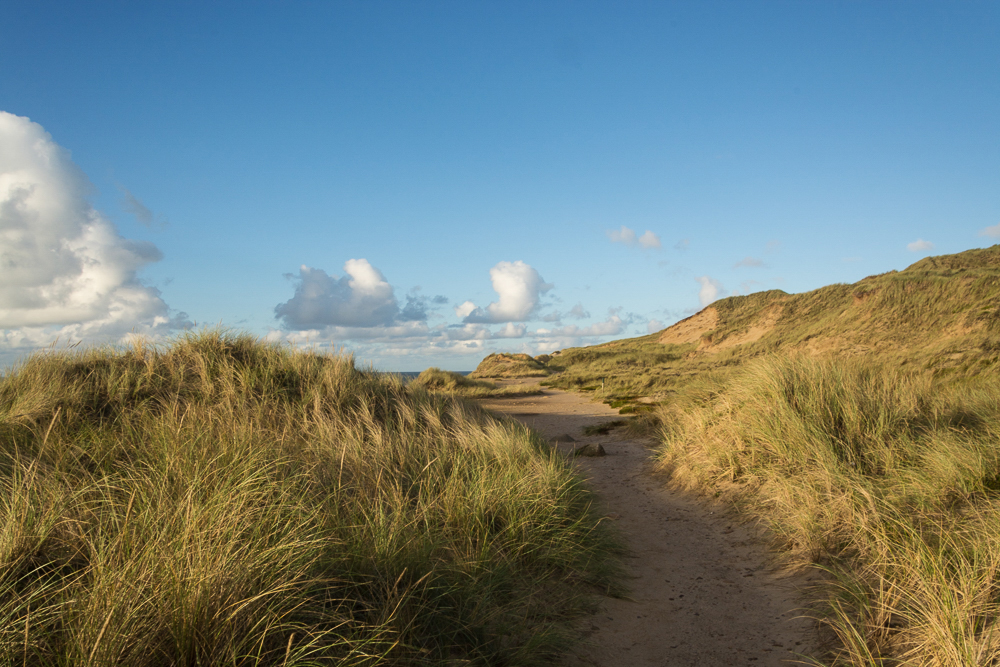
(362, 298)
(511, 330)
(682, 245)
(465, 309)
(649, 240)
(711, 290)
(610, 327)
(919, 245)
(653, 326)
(67, 273)
(578, 312)
(519, 287)
(629, 238)
(750, 262)
(993, 231)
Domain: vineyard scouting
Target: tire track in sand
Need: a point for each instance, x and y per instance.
(703, 589)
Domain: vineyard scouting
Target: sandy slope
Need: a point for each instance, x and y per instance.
(702, 592)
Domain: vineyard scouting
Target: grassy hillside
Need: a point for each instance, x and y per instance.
(224, 502)
(941, 314)
(862, 424)
(888, 479)
(506, 365)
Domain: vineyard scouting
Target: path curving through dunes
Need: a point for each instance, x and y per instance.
(703, 592)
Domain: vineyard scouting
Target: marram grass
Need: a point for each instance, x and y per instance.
(435, 379)
(888, 480)
(221, 501)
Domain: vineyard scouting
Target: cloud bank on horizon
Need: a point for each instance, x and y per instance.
(69, 276)
(361, 308)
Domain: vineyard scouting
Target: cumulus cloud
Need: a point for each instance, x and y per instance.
(67, 273)
(359, 311)
(361, 298)
(629, 238)
(418, 306)
(653, 326)
(750, 262)
(919, 245)
(415, 309)
(519, 288)
(464, 309)
(511, 330)
(711, 290)
(993, 231)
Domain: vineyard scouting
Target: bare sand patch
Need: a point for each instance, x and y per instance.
(705, 591)
(691, 329)
(767, 321)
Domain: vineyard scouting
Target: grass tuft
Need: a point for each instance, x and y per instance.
(886, 479)
(435, 379)
(222, 501)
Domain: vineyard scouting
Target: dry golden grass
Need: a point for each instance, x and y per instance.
(220, 501)
(435, 379)
(941, 315)
(506, 365)
(886, 479)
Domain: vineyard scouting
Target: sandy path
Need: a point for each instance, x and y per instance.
(702, 591)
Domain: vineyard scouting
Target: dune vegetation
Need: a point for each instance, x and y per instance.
(507, 365)
(435, 379)
(221, 501)
(861, 423)
(940, 315)
(887, 479)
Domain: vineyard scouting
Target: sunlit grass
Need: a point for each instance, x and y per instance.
(435, 379)
(220, 501)
(940, 315)
(886, 479)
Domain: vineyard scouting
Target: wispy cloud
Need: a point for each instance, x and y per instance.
(610, 327)
(919, 245)
(993, 231)
(682, 245)
(138, 210)
(628, 237)
(750, 262)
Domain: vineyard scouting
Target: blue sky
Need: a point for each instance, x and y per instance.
(423, 183)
